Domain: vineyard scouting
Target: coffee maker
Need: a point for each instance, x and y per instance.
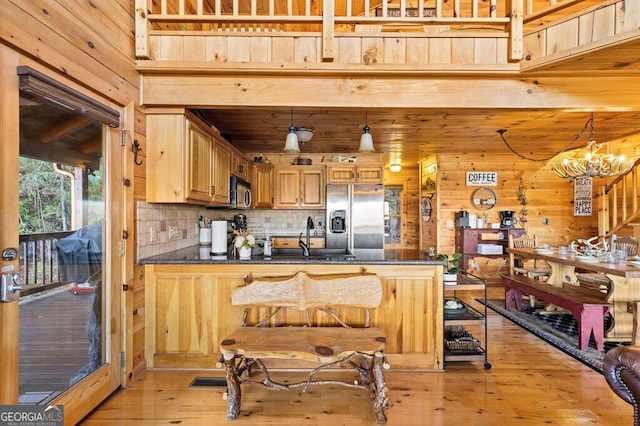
(462, 219)
(507, 219)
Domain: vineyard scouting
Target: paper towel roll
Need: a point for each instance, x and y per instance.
(219, 237)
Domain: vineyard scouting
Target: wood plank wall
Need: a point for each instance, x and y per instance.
(548, 197)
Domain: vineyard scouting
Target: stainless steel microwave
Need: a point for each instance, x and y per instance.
(240, 195)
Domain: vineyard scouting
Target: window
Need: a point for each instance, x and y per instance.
(393, 215)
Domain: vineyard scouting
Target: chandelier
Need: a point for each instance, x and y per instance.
(592, 163)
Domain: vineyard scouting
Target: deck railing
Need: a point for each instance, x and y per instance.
(38, 261)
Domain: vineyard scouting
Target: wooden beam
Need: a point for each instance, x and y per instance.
(328, 26)
(515, 30)
(335, 91)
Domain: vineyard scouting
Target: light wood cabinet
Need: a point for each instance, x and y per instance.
(179, 159)
(354, 173)
(187, 162)
(292, 242)
(240, 165)
(198, 163)
(300, 187)
(262, 186)
(220, 173)
(188, 310)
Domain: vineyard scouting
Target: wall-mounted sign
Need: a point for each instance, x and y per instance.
(582, 196)
(482, 178)
(409, 12)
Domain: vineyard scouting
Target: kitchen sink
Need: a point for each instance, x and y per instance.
(314, 253)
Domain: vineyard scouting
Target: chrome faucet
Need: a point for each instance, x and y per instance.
(305, 246)
(309, 228)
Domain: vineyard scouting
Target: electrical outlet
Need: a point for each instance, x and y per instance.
(173, 232)
(153, 234)
(449, 224)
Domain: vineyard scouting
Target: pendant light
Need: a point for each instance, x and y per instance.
(291, 143)
(366, 140)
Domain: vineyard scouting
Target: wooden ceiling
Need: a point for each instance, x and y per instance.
(54, 133)
(410, 135)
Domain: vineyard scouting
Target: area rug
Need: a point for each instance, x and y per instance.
(559, 330)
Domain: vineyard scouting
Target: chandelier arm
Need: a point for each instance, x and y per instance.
(566, 148)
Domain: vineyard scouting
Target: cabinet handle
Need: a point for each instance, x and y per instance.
(213, 189)
(353, 175)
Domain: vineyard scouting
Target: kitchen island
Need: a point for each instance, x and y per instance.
(188, 309)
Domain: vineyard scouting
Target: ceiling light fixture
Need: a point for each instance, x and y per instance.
(395, 167)
(592, 163)
(291, 143)
(304, 134)
(366, 140)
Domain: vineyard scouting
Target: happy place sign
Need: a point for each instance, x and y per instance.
(482, 178)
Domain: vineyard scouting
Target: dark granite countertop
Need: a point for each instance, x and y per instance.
(200, 255)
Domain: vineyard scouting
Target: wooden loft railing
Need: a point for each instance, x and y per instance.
(325, 17)
(328, 18)
(619, 203)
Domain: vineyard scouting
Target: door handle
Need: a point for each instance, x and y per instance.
(9, 287)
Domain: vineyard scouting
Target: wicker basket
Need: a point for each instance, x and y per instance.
(457, 338)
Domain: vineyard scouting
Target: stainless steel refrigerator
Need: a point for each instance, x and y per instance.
(355, 219)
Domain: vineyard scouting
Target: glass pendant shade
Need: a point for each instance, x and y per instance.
(366, 141)
(291, 144)
(395, 167)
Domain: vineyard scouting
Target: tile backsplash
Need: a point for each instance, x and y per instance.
(167, 227)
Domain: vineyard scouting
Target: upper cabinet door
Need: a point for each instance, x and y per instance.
(179, 160)
(262, 186)
(312, 187)
(220, 187)
(353, 173)
(287, 188)
(198, 163)
(300, 187)
(239, 165)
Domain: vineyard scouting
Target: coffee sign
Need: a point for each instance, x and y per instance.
(482, 178)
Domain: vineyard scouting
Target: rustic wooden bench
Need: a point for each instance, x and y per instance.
(588, 310)
(326, 339)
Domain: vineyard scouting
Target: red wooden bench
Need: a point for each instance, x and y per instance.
(588, 310)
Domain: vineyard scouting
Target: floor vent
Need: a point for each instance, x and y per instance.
(208, 382)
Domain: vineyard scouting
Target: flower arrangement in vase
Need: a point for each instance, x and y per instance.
(244, 242)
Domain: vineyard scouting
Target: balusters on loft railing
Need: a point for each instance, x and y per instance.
(619, 206)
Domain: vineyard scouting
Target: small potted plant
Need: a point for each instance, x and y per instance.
(244, 242)
(452, 268)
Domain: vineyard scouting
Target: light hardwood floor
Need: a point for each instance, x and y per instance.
(530, 383)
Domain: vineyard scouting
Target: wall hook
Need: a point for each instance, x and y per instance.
(135, 148)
